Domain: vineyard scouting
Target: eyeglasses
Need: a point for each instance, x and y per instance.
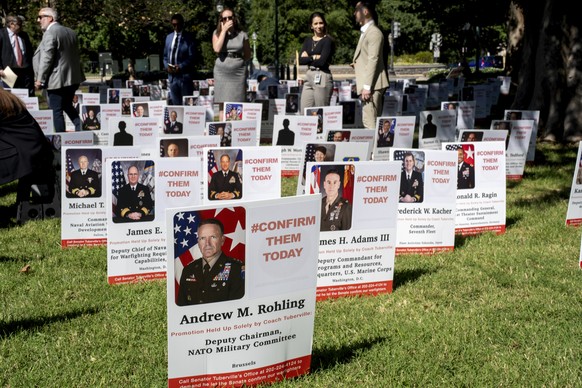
(225, 18)
(42, 16)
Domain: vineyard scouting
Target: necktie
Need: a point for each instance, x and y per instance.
(408, 176)
(175, 48)
(18, 51)
(206, 270)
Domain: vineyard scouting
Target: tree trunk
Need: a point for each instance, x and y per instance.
(545, 62)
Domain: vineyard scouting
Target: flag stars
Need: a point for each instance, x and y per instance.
(187, 230)
(191, 218)
(184, 243)
(180, 216)
(177, 228)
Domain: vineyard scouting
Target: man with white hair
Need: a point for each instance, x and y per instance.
(57, 68)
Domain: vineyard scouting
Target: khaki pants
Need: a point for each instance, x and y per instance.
(373, 108)
(314, 94)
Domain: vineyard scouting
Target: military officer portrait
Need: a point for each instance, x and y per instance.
(214, 277)
(84, 181)
(465, 170)
(225, 183)
(336, 211)
(134, 199)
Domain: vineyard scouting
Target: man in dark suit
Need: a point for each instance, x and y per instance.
(173, 126)
(84, 181)
(57, 68)
(225, 184)
(385, 137)
(16, 52)
(429, 130)
(368, 63)
(411, 184)
(179, 61)
(285, 135)
(134, 200)
(214, 277)
(465, 172)
(122, 138)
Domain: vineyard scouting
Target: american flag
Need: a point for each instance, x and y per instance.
(70, 169)
(117, 182)
(212, 167)
(315, 179)
(166, 117)
(186, 239)
(147, 177)
(309, 156)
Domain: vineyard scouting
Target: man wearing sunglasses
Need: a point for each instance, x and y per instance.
(57, 68)
(179, 61)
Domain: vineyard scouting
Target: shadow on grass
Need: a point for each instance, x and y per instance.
(7, 329)
(328, 358)
(408, 275)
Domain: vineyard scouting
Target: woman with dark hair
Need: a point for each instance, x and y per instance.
(233, 49)
(25, 152)
(316, 53)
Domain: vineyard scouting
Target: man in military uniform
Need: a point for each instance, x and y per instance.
(91, 122)
(465, 173)
(336, 211)
(84, 181)
(134, 200)
(225, 184)
(214, 277)
(411, 184)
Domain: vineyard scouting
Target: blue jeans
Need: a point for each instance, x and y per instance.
(61, 100)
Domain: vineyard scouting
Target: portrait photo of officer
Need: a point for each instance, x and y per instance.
(411, 181)
(465, 170)
(84, 181)
(134, 200)
(336, 211)
(213, 277)
(226, 183)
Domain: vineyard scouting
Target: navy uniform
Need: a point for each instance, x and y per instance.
(413, 186)
(338, 216)
(229, 182)
(225, 281)
(129, 201)
(89, 181)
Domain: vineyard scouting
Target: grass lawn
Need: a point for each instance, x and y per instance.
(497, 311)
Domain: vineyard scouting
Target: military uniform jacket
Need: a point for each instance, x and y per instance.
(224, 282)
(466, 176)
(90, 181)
(339, 215)
(129, 201)
(413, 186)
(230, 183)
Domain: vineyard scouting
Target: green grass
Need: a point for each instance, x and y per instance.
(497, 311)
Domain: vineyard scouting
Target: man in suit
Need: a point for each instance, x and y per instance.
(368, 63)
(84, 181)
(214, 277)
(57, 68)
(173, 126)
(429, 130)
(16, 53)
(285, 135)
(122, 138)
(134, 200)
(465, 172)
(225, 184)
(411, 184)
(179, 61)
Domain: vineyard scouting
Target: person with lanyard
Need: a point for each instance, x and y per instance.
(316, 53)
